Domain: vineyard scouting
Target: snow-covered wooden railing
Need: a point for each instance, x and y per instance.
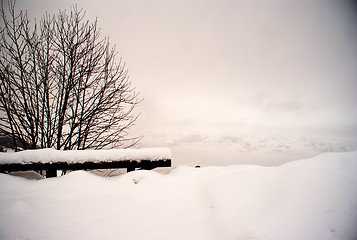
(52, 160)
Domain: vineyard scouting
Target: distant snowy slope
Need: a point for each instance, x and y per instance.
(308, 199)
(221, 149)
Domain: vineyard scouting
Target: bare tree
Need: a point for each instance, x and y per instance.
(60, 84)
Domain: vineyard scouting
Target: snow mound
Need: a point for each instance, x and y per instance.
(308, 199)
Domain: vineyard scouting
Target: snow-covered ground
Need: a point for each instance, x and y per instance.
(307, 199)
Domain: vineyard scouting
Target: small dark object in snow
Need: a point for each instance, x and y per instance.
(198, 166)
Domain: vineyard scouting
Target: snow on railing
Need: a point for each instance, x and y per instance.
(52, 160)
(80, 156)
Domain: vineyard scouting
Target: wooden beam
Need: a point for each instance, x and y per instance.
(130, 165)
(51, 173)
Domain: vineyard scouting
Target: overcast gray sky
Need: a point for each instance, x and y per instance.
(220, 66)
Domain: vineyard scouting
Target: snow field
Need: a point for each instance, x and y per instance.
(307, 199)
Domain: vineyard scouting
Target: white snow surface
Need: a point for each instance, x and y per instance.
(78, 156)
(307, 199)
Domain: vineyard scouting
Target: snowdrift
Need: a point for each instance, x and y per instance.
(307, 199)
